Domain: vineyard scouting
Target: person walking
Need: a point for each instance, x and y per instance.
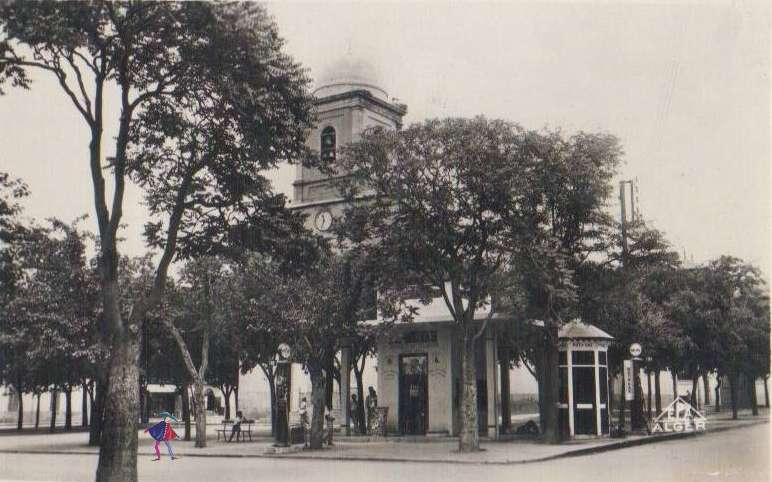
(163, 432)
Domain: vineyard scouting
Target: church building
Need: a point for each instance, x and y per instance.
(419, 366)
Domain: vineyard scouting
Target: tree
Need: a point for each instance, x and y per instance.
(443, 200)
(224, 367)
(52, 317)
(311, 319)
(737, 297)
(569, 223)
(222, 62)
(11, 230)
(257, 305)
(626, 292)
(12, 371)
(196, 315)
(359, 281)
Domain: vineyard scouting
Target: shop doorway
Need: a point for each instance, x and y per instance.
(413, 394)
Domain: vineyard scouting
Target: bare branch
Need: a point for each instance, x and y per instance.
(181, 345)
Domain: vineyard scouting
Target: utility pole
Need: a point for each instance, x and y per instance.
(623, 219)
(636, 408)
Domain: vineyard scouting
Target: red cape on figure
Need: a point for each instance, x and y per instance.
(162, 431)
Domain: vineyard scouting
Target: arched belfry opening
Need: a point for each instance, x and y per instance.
(349, 99)
(327, 144)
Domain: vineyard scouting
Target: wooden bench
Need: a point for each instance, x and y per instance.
(227, 428)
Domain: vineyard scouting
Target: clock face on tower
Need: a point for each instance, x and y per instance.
(323, 220)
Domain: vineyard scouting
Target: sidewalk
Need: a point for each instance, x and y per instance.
(397, 449)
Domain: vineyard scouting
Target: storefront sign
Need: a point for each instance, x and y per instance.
(629, 381)
(418, 336)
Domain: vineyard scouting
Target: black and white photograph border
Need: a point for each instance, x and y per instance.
(390, 240)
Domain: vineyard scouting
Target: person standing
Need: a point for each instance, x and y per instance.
(330, 425)
(355, 413)
(304, 422)
(372, 404)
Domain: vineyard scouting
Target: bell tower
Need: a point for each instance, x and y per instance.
(348, 100)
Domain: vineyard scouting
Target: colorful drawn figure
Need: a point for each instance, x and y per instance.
(163, 432)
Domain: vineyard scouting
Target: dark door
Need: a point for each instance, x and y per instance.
(482, 406)
(585, 406)
(413, 394)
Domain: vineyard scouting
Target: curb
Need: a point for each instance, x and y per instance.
(570, 453)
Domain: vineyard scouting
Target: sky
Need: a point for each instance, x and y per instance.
(684, 86)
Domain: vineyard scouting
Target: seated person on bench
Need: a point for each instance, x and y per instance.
(236, 425)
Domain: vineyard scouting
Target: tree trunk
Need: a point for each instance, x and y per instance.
(717, 399)
(318, 393)
(236, 398)
(200, 415)
(98, 392)
(754, 399)
(54, 400)
(360, 408)
(648, 393)
(68, 409)
(144, 405)
(706, 388)
(84, 405)
(694, 399)
(675, 384)
(733, 394)
(552, 431)
(329, 387)
(469, 433)
(272, 390)
(37, 413)
(186, 411)
(20, 416)
(226, 395)
(766, 392)
(118, 441)
(657, 392)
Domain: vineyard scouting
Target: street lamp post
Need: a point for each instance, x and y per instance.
(636, 410)
(283, 379)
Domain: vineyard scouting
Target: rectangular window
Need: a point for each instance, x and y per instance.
(583, 357)
(602, 358)
(584, 384)
(603, 384)
(563, 385)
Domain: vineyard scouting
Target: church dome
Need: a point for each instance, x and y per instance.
(349, 74)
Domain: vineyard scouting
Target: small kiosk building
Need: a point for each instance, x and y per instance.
(584, 409)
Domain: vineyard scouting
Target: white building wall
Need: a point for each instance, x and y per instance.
(9, 410)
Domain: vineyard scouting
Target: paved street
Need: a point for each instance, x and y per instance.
(735, 455)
